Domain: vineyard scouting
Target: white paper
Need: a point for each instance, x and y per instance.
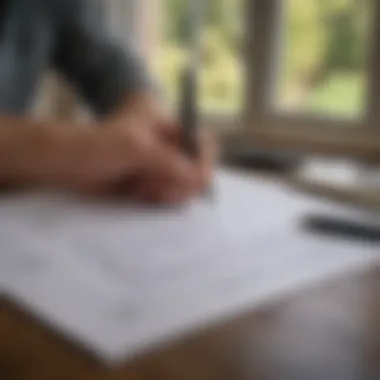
(120, 280)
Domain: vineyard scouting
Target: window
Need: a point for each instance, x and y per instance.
(314, 83)
(304, 73)
(322, 56)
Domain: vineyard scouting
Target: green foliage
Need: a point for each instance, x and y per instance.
(221, 76)
(226, 14)
(326, 35)
(220, 79)
(303, 50)
(322, 40)
(341, 94)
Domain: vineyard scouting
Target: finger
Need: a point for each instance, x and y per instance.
(160, 190)
(127, 187)
(208, 156)
(170, 132)
(203, 164)
(170, 163)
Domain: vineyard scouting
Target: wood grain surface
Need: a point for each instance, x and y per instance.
(328, 333)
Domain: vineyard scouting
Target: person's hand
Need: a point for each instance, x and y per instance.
(132, 161)
(155, 186)
(151, 184)
(137, 156)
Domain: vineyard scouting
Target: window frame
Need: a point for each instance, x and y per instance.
(316, 134)
(310, 133)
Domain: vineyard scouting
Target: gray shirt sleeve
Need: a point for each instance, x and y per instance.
(101, 69)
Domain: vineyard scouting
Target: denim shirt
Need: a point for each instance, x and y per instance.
(71, 37)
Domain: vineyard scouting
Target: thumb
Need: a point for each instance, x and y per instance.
(164, 159)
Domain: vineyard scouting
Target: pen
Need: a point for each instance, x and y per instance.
(189, 114)
(189, 78)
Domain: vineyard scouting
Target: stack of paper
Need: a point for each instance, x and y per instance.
(120, 280)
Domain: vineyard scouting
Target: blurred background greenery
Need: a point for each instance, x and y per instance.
(320, 68)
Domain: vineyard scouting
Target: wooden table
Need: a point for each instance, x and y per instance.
(330, 333)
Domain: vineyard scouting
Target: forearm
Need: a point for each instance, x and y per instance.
(101, 68)
(36, 152)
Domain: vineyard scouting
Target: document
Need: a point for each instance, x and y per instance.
(120, 279)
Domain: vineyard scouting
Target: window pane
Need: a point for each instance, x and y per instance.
(221, 71)
(323, 57)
